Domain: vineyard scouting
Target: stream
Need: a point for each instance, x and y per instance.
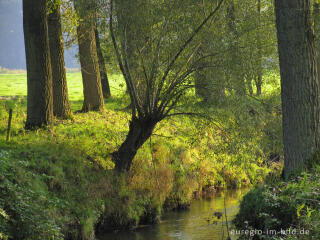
(197, 223)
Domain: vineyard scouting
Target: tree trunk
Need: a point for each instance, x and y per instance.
(316, 24)
(61, 107)
(259, 84)
(201, 85)
(259, 48)
(139, 132)
(92, 89)
(102, 66)
(39, 76)
(249, 84)
(299, 82)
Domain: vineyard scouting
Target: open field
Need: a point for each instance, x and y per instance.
(16, 85)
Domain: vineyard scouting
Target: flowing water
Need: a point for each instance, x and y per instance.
(200, 222)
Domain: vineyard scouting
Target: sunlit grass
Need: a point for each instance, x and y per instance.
(185, 155)
(271, 83)
(16, 85)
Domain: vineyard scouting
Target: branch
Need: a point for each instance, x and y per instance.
(124, 67)
(182, 48)
(188, 114)
(116, 48)
(223, 131)
(175, 82)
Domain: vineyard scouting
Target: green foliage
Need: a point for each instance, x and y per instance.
(3, 224)
(26, 212)
(68, 169)
(284, 205)
(52, 5)
(263, 209)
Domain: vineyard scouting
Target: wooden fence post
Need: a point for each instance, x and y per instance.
(9, 124)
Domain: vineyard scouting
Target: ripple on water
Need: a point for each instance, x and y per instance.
(197, 223)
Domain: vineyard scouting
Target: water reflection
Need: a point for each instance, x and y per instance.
(200, 222)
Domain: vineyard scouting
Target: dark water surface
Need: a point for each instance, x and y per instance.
(197, 223)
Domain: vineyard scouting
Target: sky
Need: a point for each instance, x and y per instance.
(12, 51)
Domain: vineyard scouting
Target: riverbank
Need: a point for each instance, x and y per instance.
(284, 210)
(201, 221)
(59, 183)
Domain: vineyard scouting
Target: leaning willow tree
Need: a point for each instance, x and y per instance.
(161, 76)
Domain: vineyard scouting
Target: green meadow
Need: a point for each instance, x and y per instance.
(16, 85)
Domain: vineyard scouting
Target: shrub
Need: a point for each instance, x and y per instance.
(281, 205)
(262, 209)
(25, 211)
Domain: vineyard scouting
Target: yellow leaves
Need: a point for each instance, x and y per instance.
(3, 214)
(299, 209)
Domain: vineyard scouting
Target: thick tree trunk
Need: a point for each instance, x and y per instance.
(92, 90)
(39, 76)
(316, 24)
(139, 132)
(299, 82)
(102, 66)
(61, 107)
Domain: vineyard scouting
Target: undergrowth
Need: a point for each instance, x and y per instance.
(289, 209)
(59, 184)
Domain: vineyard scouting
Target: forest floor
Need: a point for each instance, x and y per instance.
(59, 182)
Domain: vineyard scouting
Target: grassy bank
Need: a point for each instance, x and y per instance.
(59, 183)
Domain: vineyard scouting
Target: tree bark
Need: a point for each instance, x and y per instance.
(61, 106)
(92, 89)
(259, 48)
(139, 132)
(299, 82)
(39, 76)
(249, 84)
(102, 66)
(316, 24)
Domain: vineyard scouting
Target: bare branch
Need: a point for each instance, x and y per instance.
(124, 67)
(182, 48)
(121, 64)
